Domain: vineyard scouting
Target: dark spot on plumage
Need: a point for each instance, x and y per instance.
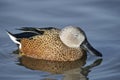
(41, 32)
(30, 38)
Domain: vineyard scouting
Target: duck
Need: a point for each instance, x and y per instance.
(67, 44)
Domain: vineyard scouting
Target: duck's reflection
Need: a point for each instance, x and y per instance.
(72, 70)
(56, 67)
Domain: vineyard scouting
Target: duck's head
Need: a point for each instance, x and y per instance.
(75, 37)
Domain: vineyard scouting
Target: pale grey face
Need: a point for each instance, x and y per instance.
(72, 36)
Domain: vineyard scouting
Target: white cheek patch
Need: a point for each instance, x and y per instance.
(68, 41)
(64, 36)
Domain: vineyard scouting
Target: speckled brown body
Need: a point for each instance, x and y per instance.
(49, 47)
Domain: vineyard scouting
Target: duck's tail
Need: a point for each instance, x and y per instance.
(14, 38)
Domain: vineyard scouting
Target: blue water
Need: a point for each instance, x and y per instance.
(100, 19)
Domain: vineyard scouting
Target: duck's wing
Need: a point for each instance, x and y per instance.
(28, 32)
(35, 30)
(23, 34)
(17, 37)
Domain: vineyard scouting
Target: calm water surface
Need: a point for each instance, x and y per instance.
(100, 19)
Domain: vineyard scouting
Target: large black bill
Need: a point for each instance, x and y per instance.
(86, 46)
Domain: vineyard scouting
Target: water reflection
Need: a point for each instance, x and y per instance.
(56, 67)
(72, 70)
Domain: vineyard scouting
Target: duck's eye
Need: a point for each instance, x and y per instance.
(76, 35)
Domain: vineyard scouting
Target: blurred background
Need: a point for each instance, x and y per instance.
(100, 19)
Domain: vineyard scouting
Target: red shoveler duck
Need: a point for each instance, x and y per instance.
(67, 44)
